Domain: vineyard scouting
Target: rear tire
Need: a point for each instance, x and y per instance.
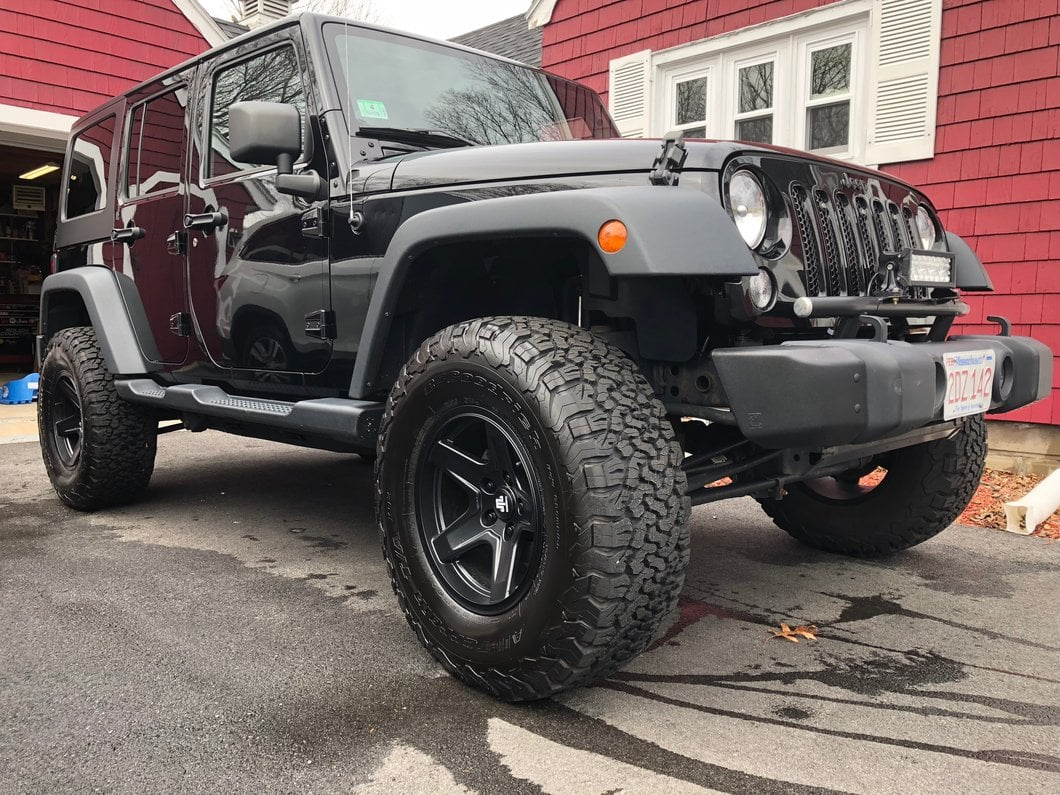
(98, 449)
(925, 488)
(531, 504)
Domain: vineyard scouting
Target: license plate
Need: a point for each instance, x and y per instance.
(969, 383)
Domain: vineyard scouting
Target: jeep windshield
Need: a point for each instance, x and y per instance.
(415, 92)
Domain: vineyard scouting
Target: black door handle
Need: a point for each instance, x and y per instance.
(129, 234)
(205, 221)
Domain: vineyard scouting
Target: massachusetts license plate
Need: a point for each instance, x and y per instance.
(969, 383)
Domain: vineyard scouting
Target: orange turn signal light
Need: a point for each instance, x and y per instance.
(612, 236)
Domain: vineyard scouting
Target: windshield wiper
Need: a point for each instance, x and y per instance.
(441, 138)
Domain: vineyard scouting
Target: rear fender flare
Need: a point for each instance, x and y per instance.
(114, 311)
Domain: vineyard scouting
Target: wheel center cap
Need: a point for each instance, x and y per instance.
(505, 504)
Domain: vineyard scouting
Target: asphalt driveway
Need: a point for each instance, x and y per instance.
(235, 632)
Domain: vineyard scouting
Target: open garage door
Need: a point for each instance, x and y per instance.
(31, 156)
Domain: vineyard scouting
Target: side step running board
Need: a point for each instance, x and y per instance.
(341, 422)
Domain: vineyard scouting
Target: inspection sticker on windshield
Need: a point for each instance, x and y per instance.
(969, 382)
(371, 109)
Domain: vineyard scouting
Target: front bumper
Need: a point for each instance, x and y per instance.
(811, 395)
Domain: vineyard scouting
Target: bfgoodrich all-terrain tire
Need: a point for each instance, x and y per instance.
(531, 504)
(924, 489)
(98, 449)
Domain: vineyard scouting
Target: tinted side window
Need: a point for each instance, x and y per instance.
(270, 77)
(156, 138)
(86, 189)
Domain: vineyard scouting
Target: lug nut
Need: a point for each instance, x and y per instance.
(508, 531)
(488, 485)
(490, 517)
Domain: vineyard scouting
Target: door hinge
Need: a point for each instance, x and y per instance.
(180, 324)
(320, 324)
(314, 223)
(177, 243)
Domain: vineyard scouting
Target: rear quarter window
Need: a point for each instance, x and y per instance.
(155, 145)
(90, 153)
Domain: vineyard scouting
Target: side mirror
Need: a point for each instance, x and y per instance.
(265, 132)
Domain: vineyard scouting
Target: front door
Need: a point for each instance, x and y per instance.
(151, 207)
(254, 278)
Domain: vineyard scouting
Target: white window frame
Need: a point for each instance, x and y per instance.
(855, 93)
(789, 40)
(709, 73)
(771, 55)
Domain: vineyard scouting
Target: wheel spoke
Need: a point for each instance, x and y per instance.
(503, 568)
(68, 427)
(69, 393)
(459, 536)
(458, 465)
(498, 451)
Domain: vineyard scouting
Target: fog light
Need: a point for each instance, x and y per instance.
(761, 290)
(929, 269)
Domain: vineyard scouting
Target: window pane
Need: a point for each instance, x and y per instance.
(757, 130)
(830, 71)
(155, 145)
(696, 132)
(828, 126)
(272, 77)
(86, 191)
(692, 100)
(756, 87)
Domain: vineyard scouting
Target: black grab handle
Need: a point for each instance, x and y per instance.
(205, 221)
(128, 234)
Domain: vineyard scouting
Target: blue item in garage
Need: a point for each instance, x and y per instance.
(24, 390)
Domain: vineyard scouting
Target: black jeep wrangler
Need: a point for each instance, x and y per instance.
(553, 342)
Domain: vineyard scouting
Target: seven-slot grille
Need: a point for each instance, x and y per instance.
(842, 234)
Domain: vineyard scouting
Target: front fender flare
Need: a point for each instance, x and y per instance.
(672, 232)
(115, 311)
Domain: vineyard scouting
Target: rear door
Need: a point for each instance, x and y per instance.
(254, 278)
(151, 198)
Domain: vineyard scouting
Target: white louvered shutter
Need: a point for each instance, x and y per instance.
(629, 94)
(904, 94)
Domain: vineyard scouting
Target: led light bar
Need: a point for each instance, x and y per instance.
(929, 269)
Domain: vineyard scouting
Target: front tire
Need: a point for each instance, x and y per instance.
(98, 449)
(531, 505)
(924, 489)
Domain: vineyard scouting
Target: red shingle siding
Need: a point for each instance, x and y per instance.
(68, 56)
(995, 176)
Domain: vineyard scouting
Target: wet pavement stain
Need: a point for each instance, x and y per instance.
(863, 608)
(792, 713)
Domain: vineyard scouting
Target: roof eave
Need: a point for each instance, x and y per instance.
(540, 12)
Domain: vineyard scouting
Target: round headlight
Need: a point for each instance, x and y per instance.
(761, 291)
(925, 227)
(748, 203)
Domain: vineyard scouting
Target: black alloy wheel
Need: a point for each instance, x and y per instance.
(531, 503)
(65, 422)
(865, 513)
(98, 449)
(478, 502)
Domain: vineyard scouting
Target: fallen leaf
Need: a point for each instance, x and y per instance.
(809, 632)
